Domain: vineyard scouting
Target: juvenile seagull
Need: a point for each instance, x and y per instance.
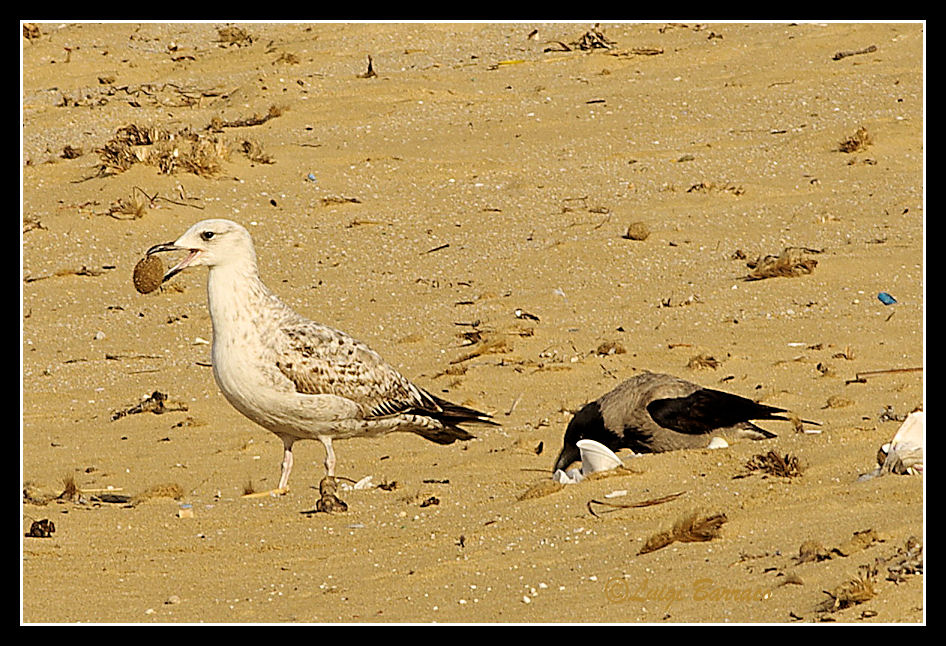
(294, 377)
(652, 412)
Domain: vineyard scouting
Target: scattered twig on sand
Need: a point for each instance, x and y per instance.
(866, 50)
(255, 120)
(496, 344)
(81, 271)
(633, 505)
(861, 377)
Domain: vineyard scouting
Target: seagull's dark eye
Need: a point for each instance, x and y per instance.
(206, 235)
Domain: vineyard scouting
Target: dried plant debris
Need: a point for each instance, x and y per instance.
(31, 31)
(217, 124)
(231, 35)
(41, 529)
(850, 593)
(81, 271)
(771, 463)
(633, 505)
(33, 496)
(70, 490)
(133, 210)
(812, 551)
(859, 541)
(489, 345)
(637, 51)
(591, 39)
(704, 187)
(329, 200)
(288, 58)
(837, 401)
(692, 528)
(791, 262)
(253, 151)
(867, 50)
(908, 560)
(858, 141)
(184, 150)
(154, 403)
(607, 348)
(701, 361)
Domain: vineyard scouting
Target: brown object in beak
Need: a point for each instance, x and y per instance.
(148, 274)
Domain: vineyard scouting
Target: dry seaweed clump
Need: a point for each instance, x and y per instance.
(791, 262)
(850, 593)
(591, 39)
(858, 141)
(31, 31)
(701, 361)
(692, 528)
(184, 150)
(771, 463)
(231, 35)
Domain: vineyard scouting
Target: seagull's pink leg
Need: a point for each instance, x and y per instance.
(329, 456)
(286, 463)
(283, 487)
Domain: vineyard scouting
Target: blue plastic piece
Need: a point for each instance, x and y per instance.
(886, 298)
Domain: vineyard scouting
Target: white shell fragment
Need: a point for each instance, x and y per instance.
(718, 443)
(903, 454)
(364, 483)
(595, 457)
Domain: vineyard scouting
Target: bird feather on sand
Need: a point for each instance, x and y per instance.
(292, 376)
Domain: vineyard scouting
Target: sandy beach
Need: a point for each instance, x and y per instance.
(518, 216)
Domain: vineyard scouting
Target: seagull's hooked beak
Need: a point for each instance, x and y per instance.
(179, 267)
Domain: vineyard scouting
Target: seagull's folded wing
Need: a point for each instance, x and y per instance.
(321, 360)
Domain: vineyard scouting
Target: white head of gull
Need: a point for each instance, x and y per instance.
(297, 378)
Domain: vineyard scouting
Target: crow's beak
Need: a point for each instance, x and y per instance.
(569, 454)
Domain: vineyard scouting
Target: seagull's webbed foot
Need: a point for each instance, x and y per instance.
(329, 501)
(266, 494)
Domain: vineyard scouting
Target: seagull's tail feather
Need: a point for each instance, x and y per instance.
(445, 435)
(450, 415)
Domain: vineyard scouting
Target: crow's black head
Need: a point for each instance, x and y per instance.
(587, 424)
